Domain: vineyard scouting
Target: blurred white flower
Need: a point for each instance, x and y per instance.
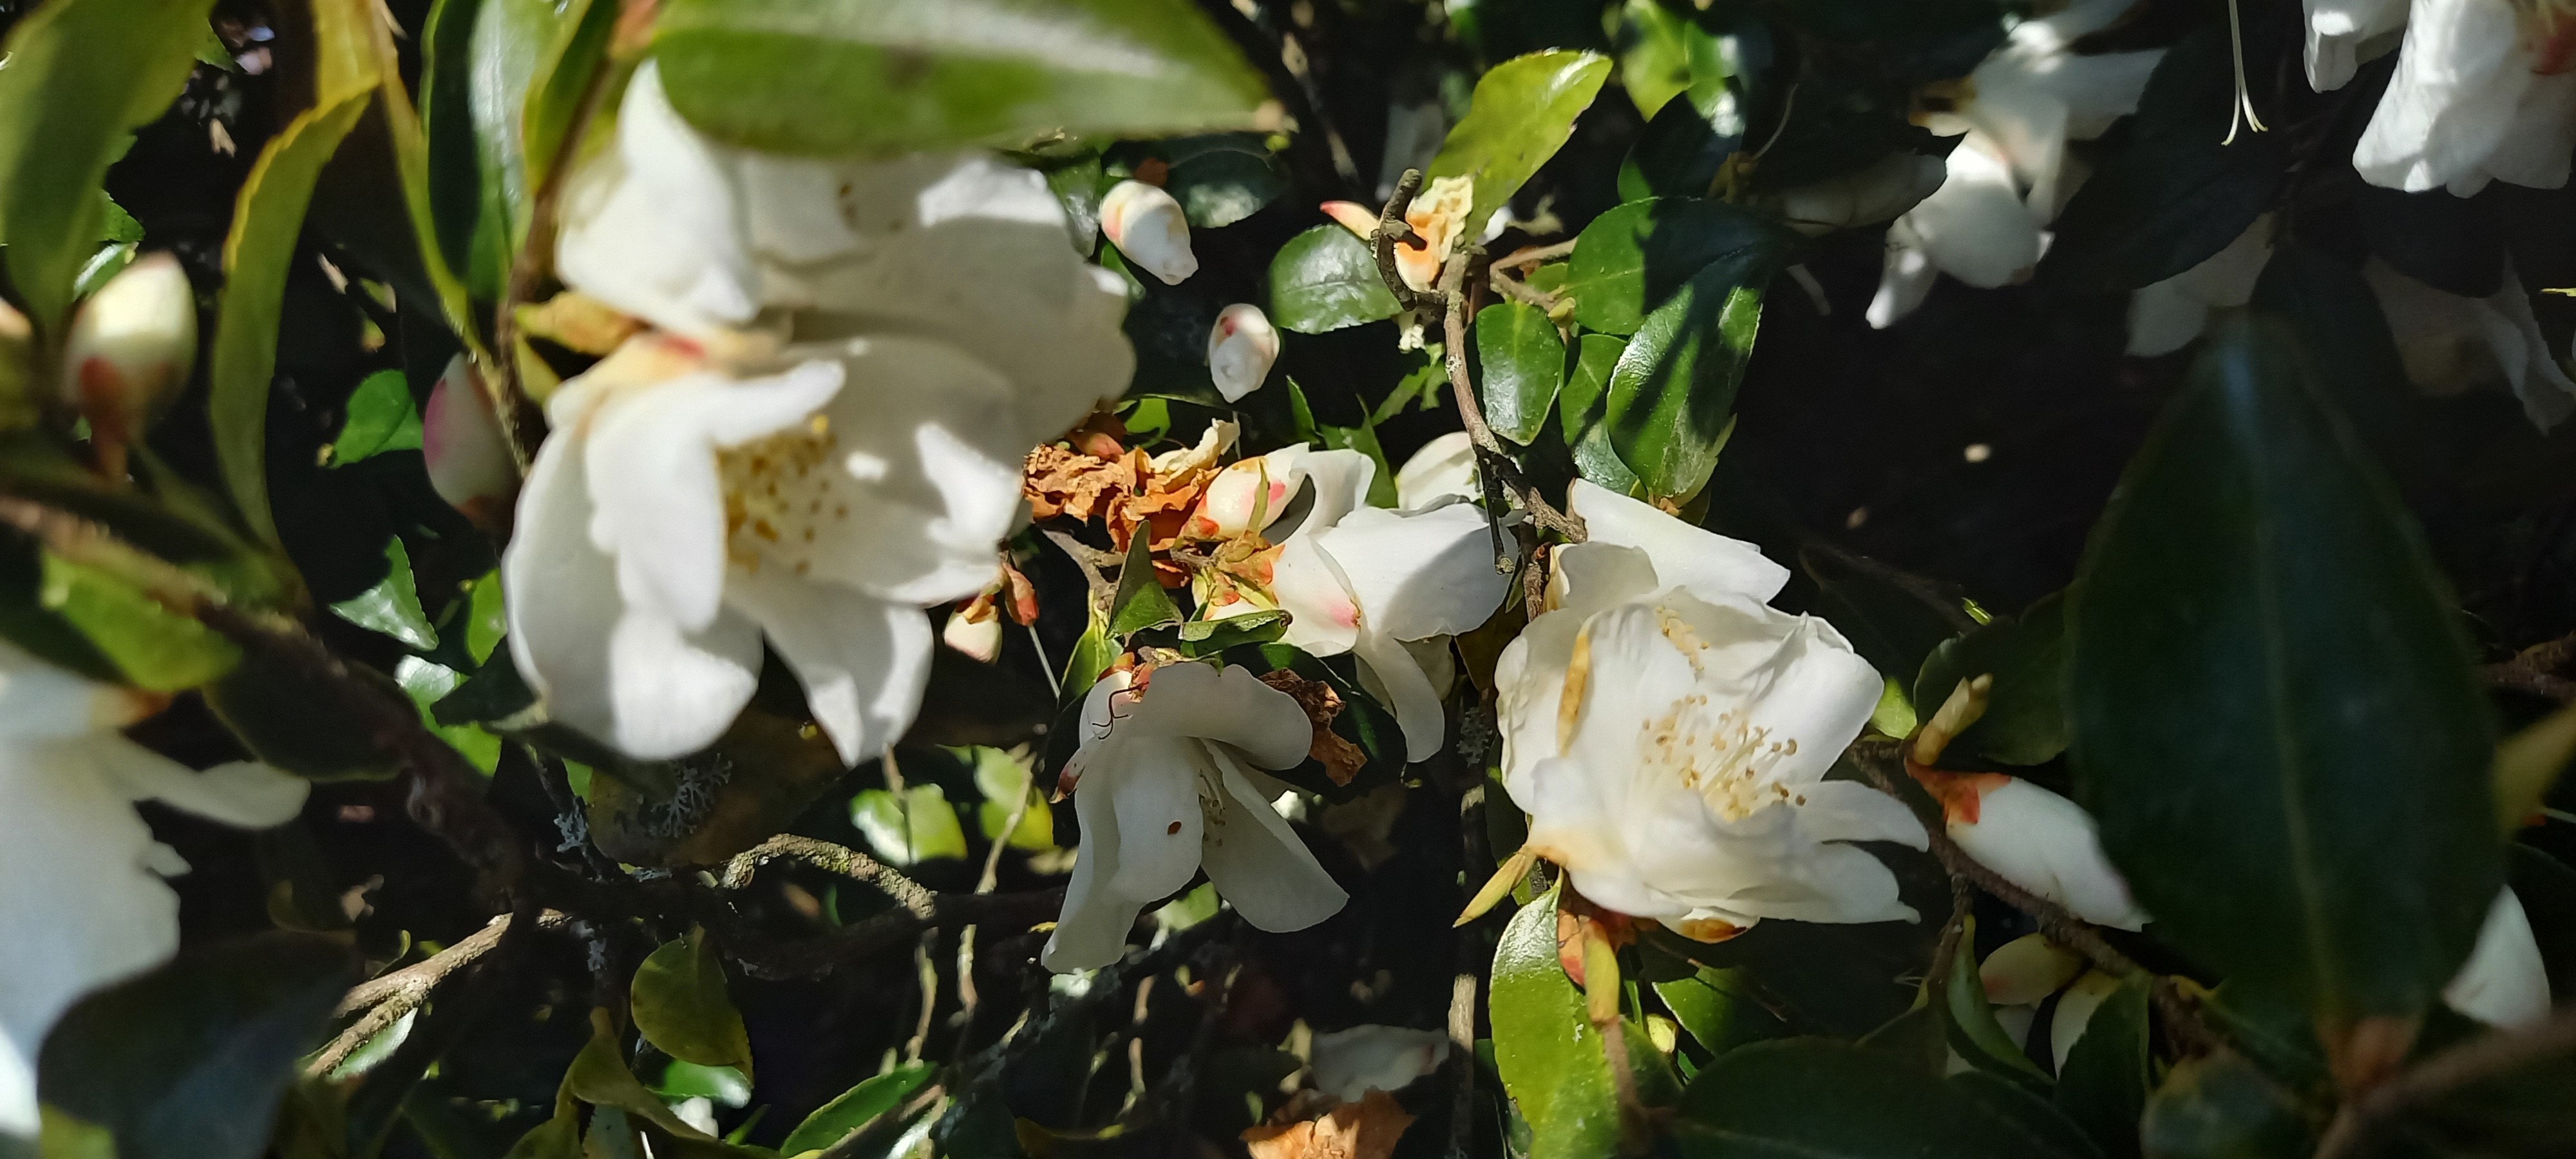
(921, 322)
(1351, 1063)
(129, 351)
(1149, 228)
(1168, 781)
(461, 441)
(85, 904)
(1445, 466)
(2472, 101)
(2450, 344)
(2026, 970)
(2010, 174)
(2504, 982)
(1387, 586)
(976, 630)
(1868, 195)
(2037, 840)
(2343, 33)
(2166, 316)
(1669, 734)
(1241, 347)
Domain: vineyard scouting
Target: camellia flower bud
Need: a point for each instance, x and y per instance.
(460, 437)
(131, 347)
(2037, 840)
(1148, 226)
(975, 628)
(1241, 347)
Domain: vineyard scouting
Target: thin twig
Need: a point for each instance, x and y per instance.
(967, 997)
(1532, 255)
(1490, 457)
(841, 860)
(2451, 1069)
(1392, 228)
(383, 1000)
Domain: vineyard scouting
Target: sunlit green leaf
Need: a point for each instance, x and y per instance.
(1523, 360)
(1325, 279)
(1550, 1056)
(1636, 257)
(855, 1108)
(2025, 720)
(1141, 602)
(1522, 112)
(681, 1005)
(917, 825)
(151, 646)
(1671, 401)
(393, 605)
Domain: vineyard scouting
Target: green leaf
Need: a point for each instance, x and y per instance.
(1821, 1099)
(1091, 656)
(1005, 782)
(2221, 1107)
(556, 88)
(2274, 716)
(888, 76)
(917, 826)
(82, 74)
(487, 618)
(856, 1108)
(681, 1006)
(1220, 180)
(1141, 602)
(1672, 396)
(393, 605)
(1968, 1020)
(1214, 637)
(1636, 257)
(433, 684)
(1550, 1056)
(155, 648)
(1325, 279)
(1719, 1008)
(381, 418)
(190, 1060)
(1581, 407)
(1521, 114)
(2175, 196)
(270, 706)
(1523, 360)
(2025, 720)
(265, 224)
(2103, 1086)
(479, 57)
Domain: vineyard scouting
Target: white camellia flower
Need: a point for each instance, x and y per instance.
(86, 904)
(1149, 228)
(1444, 466)
(2037, 840)
(2449, 343)
(1390, 587)
(1241, 347)
(2010, 174)
(1168, 780)
(2168, 315)
(2343, 33)
(818, 480)
(1669, 733)
(2469, 103)
(2504, 982)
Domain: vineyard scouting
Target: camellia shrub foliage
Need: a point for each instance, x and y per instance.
(1300, 579)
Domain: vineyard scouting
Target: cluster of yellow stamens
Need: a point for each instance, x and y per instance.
(777, 489)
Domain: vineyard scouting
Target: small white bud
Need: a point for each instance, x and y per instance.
(461, 439)
(1241, 347)
(1148, 226)
(130, 349)
(975, 628)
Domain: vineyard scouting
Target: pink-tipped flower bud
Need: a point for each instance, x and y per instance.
(1241, 347)
(975, 629)
(1149, 227)
(461, 439)
(1353, 216)
(129, 352)
(2026, 970)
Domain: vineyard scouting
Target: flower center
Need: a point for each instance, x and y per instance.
(1724, 758)
(778, 490)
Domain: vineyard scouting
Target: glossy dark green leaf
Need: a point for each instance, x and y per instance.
(1636, 257)
(494, 694)
(1523, 360)
(1968, 1021)
(1672, 396)
(1678, 155)
(2174, 196)
(1580, 411)
(481, 58)
(2103, 1085)
(189, 1060)
(1142, 603)
(820, 76)
(82, 74)
(1720, 1007)
(429, 685)
(1693, 76)
(381, 418)
(270, 707)
(2222, 1107)
(1325, 279)
(152, 647)
(1821, 1099)
(264, 230)
(555, 88)
(2337, 318)
(856, 1108)
(1223, 179)
(1522, 112)
(681, 1006)
(2275, 721)
(392, 606)
(1550, 1056)
(2025, 720)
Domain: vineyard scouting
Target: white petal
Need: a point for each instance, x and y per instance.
(2536, 146)
(1392, 674)
(1975, 227)
(82, 908)
(1241, 346)
(1350, 1063)
(651, 468)
(2075, 1012)
(2024, 125)
(671, 692)
(2026, 970)
(1444, 466)
(244, 794)
(2504, 982)
(1232, 707)
(1419, 574)
(1793, 678)
(2341, 31)
(462, 444)
(1324, 616)
(1584, 578)
(39, 701)
(863, 661)
(1338, 483)
(1262, 485)
(2547, 395)
(1091, 931)
(1529, 684)
(1154, 786)
(19, 1118)
(562, 601)
(2048, 845)
(1852, 811)
(1257, 863)
(2166, 316)
(2459, 76)
(1906, 280)
(651, 226)
(1710, 565)
(1147, 225)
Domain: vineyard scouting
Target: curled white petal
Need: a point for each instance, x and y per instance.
(1241, 346)
(2504, 982)
(1148, 226)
